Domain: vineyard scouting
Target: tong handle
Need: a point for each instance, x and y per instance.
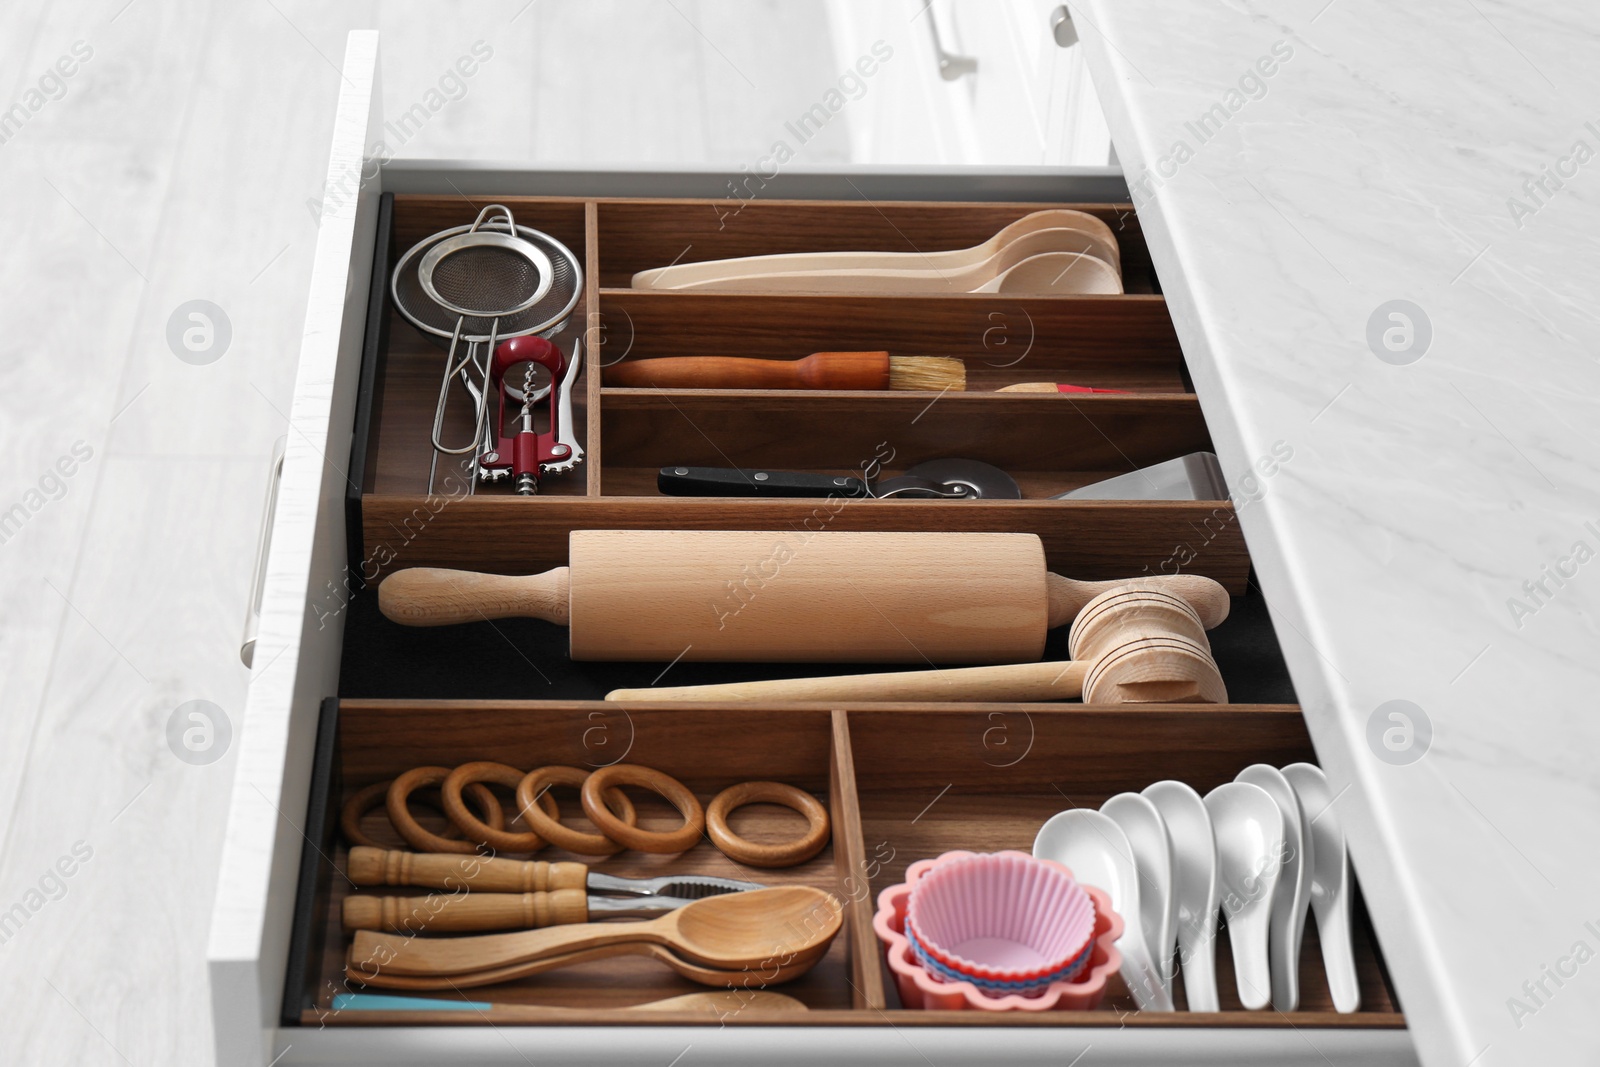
(442, 870)
(465, 912)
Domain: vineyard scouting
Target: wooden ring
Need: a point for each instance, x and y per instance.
(748, 852)
(673, 791)
(539, 782)
(397, 797)
(355, 808)
(497, 838)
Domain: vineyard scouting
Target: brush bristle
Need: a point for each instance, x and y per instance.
(937, 373)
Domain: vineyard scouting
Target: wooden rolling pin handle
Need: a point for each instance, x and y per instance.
(820, 370)
(434, 596)
(1067, 597)
(437, 870)
(468, 912)
(1012, 681)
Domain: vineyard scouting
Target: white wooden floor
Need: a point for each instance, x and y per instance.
(176, 165)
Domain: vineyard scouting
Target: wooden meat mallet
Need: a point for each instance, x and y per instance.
(1129, 646)
(786, 596)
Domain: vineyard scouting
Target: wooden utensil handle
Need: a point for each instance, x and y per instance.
(1015, 681)
(435, 596)
(1207, 596)
(402, 954)
(820, 370)
(437, 870)
(450, 913)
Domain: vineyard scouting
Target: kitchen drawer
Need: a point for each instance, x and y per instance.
(341, 698)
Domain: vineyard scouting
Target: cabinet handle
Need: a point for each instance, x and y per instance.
(252, 618)
(1061, 27)
(951, 66)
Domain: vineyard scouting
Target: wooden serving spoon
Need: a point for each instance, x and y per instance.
(1055, 274)
(734, 931)
(779, 971)
(730, 271)
(726, 1002)
(985, 275)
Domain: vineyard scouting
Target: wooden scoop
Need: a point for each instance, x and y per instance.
(785, 596)
(738, 930)
(730, 271)
(781, 969)
(1129, 646)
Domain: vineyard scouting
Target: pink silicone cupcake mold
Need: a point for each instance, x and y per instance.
(921, 990)
(1001, 917)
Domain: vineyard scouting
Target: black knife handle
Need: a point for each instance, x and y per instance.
(734, 481)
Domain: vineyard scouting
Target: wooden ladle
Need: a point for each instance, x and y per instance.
(737, 930)
(779, 970)
(1129, 646)
(731, 273)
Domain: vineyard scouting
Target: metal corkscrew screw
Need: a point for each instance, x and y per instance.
(527, 481)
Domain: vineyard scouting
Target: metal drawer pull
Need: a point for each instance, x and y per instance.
(252, 618)
(951, 66)
(1061, 27)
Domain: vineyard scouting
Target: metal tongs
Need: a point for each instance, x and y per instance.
(480, 899)
(519, 449)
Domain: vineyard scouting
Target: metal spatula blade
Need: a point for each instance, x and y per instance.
(1197, 476)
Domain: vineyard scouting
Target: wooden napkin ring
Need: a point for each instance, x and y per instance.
(397, 796)
(501, 840)
(748, 852)
(673, 791)
(537, 783)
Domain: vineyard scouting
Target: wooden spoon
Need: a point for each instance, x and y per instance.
(730, 271)
(720, 1004)
(1055, 274)
(734, 931)
(775, 973)
(915, 277)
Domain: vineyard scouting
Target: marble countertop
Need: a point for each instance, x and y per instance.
(1378, 227)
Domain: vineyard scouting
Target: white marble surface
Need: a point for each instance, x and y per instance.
(1379, 161)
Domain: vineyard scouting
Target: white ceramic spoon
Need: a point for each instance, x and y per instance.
(1249, 832)
(1153, 863)
(1330, 882)
(1098, 854)
(1055, 274)
(1194, 888)
(1294, 884)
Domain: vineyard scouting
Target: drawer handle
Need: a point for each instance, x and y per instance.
(951, 66)
(252, 618)
(1062, 28)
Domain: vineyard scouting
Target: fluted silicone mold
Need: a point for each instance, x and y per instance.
(1001, 917)
(921, 990)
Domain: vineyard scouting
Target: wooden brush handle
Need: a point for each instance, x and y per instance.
(434, 596)
(821, 370)
(452, 913)
(1208, 598)
(437, 870)
(1013, 681)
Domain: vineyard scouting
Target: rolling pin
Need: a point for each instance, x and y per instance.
(785, 596)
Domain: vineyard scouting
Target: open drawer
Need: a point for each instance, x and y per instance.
(341, 698)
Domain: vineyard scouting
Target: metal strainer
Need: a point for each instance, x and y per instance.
(482, 284)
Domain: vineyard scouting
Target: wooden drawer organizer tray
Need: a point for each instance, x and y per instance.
(903, 782)
(1049, 443)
